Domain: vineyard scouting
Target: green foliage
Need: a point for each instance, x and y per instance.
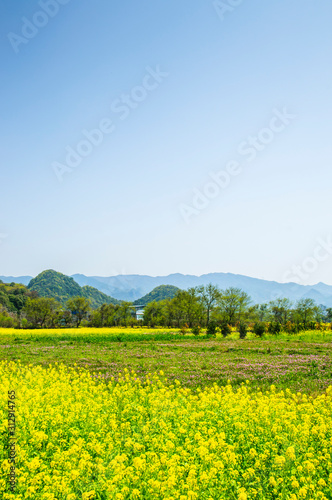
(154, 314)
(42, 312)
(106, 315)
(280, 310)
(305, 312)
(56, 285)
(96, 297)
(274, 328)
(13, 296)
(211, 330)
(79, 308)
(225, 329)
(159, 293)
(7, 320)
(188, 308)
(232, 305)
(193, 309)
(243, 330)
(259, 329)
(196, 330)
(209, 295)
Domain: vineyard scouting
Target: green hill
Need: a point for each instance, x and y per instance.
(161, 292)
(61, 287)
(96, 297)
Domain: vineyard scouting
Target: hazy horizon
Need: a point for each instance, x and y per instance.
(158, 276)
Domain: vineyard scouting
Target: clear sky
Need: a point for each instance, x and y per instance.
(156, 137)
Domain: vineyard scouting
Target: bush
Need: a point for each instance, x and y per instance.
(195, 330)
(211, 330)
(24, 323)
(243, 330)
(259, 329)
(7, 321)
(184, 329)
(225, 329)
(274, 328)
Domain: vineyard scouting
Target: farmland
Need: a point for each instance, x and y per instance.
(298, 362)
(152, 414)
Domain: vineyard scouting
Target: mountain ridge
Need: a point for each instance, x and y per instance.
(135, 286)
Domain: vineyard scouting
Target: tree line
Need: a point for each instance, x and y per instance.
(204, 307)
(212, 308)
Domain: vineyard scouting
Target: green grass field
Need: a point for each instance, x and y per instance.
(298, 362)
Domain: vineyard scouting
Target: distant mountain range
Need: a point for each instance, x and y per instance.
(133, 287)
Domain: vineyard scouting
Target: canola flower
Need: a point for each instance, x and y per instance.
(116, 330)
(81, 439)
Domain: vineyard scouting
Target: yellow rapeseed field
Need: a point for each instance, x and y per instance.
(78, 438)
(82, 331)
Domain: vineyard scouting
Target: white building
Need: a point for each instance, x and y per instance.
(139, 312)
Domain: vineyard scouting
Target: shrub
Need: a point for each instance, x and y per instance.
(184, 329)
(24, 323)
(225, 329)
(195, 330)
(211, 330)
(7, 321)
(274, 328)
(243, 330)
(259, 329)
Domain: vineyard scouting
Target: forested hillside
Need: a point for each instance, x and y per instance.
(52, 284)
(96, 297)
(13, 296)
(159, 293)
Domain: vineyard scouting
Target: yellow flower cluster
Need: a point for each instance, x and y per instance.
(116, 330)
(81, 439)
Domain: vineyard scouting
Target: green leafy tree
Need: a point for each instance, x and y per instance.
(305, 311)
(280, 310)
(329, 314)
(192, 309)
(154, 314)
(169, 313)
(79, 308)
(258, 312)
(104, 316)
(124, 313)
(209, 295)
(232, 304)
(40, 311)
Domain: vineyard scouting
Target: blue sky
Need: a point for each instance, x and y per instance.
(194, 85)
